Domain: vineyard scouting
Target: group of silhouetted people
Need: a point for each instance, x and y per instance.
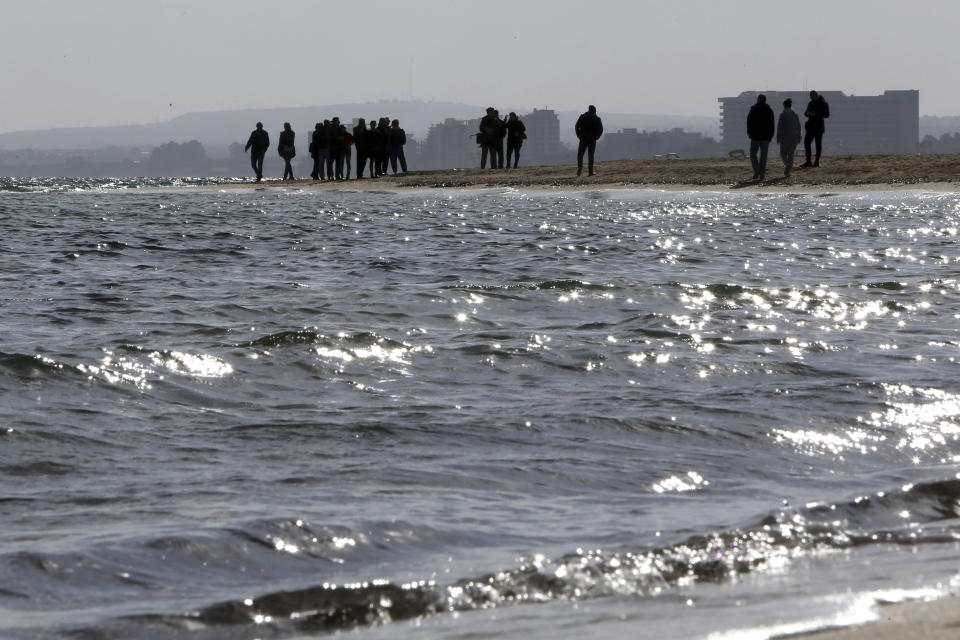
(493, 131)
(491, 136)
(761, 130)
(378, 145)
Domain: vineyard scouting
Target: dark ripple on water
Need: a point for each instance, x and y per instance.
(210, 399)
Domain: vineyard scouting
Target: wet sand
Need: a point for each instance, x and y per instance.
(934, 620)
(836, 173)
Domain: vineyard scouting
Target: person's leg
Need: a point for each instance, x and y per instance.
(315, 174)
(581, 148)
(483, 156)
(754, 160)
(807, 138)
(591, 150)
(818, 140)
(764, 146)
(403, 160)
(347, 162)
(393, 159)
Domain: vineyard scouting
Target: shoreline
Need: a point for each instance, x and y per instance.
(936, 173)
(937, 619)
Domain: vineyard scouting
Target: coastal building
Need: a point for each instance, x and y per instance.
(542, 145)
(630, 143)
(886, 123)
(451, 144)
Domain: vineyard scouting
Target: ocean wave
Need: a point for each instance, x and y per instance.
(923, 513)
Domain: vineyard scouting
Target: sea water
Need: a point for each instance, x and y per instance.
(281, 413)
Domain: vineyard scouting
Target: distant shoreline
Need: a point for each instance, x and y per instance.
(836, 173)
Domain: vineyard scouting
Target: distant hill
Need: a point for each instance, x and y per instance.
(216, 130)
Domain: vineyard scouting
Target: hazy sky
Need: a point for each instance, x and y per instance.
(97, 62)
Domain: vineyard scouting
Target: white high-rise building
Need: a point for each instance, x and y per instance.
(887, 123)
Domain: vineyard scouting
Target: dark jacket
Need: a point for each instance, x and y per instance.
(360, 138)
(760, 122)
(489, 130)
(285, 146)
(817, 111)
(589, 127)
(516, 132)
(259, 141)
(396, 137)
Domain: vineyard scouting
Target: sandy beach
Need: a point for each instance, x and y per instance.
(860, 172)
(918, 620)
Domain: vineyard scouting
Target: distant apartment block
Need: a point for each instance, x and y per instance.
(888, 123)
(542, 145)
(453, 143)
(629, 143)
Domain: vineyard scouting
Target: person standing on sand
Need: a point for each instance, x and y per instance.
(319, 133)
(589, 128)
(396, 138)
(817, 111)
(257, 144)
(760, 129)
(489, 138)
(286, 150)
(788, 135)
(516, 134)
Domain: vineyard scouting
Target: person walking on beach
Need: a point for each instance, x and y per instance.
(488, 138)
(516, 134)
(396, 138)
(287, 150)
(788, 135)
(817, 111)
(589, 128)
(760, 129)
(257, 144)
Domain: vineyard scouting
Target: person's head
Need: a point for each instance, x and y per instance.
(813, 94)
(761, 99)
(592, 109)
(361, 122)
(336, 121)
(395, 124)
(319, 125)
(788, 103)
(259, 125)
(286, 126)
(490, 111)
(512, 116)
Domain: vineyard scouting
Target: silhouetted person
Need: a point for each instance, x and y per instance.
(377, 143)
(335, 133)
(396, 138)
(319, 135)
(516, 134)
(361, 141)
(257, 144)
(589, 128)
(788, 135)
(817, 111)
(488, 138)
(347, 153)
(501, 134)
(383, 143)
(760, 128)
(287, 150)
